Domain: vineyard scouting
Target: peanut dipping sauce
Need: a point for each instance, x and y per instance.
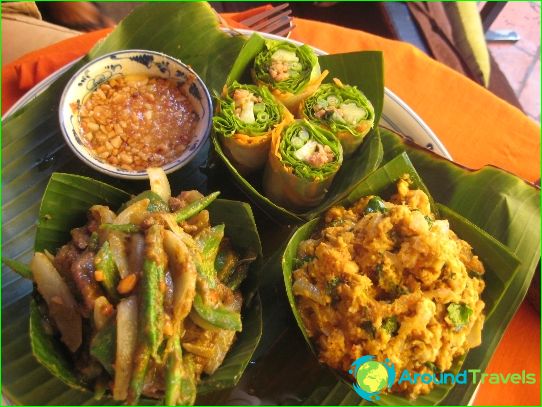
(136, 122)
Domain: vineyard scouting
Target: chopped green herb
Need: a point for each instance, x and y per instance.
(459, 314)
(375, 204)
(429, 221)
(390, 325)
(331, 288)
(300, 262)
(369, 328)
(336, 222)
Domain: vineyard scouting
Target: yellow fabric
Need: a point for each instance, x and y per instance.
(469, 37)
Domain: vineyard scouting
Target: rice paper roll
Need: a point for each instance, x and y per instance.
(303, 160)
(344, 110)
(291, 72)
(245, 117)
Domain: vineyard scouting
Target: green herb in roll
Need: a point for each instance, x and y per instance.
(245, 117)
(292, 72)
(344, 110)
(303, 160)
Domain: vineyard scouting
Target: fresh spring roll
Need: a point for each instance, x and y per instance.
(303, 160)
(291, 72)
(245, 117)
(343, 109)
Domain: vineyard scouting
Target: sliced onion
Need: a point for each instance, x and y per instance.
(61, 304)
(183, 271)
(159, 182)
(118, 251)
(169, 218)
(135, 213)
(304, 288)
(126, 345)
(102, 311)
(105, 214)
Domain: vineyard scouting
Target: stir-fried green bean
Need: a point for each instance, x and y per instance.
(208, 242)
(218, 316)
(174, 373)
(126, 228)
(103, 345)
(105, 264)
(195, 207)
(188, 382)
(151, 311)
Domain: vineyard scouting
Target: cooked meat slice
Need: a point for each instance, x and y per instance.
(63, 261)
(82, 271)
(81, 237)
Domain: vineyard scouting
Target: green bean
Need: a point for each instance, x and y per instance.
(126, 228)
(195, 207)
(174, 372)
(105, 263)
(156, 203)
(225, 261)
(208, 243)
(151, 318)
(188, 382)
(103, 345)
(20, 268)
(219, 317)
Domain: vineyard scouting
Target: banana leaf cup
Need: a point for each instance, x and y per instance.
(303, 160)
(64, 206)
(343, 109)
(502, 268)
(292, 72)
(245, 117)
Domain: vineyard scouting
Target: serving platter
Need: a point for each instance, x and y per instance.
(282, 372)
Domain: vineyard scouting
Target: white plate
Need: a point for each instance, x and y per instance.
(396, 114)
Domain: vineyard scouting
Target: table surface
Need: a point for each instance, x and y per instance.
(476, 127)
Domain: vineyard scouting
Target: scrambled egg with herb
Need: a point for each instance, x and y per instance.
(390, 280)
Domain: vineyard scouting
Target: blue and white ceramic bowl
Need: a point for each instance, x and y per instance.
(133, 62)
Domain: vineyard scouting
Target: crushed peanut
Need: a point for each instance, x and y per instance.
(127, 284)
(135, 124)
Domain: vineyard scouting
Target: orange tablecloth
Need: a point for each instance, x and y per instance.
(476, 127)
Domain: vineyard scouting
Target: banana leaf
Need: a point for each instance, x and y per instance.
(353, 69)
(501, 266)
(64, 206)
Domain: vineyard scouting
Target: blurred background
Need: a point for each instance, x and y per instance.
(496, 44)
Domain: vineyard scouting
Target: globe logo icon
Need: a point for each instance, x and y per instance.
(372, 377)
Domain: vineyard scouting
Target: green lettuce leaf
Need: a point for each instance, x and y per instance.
(300, 74)
(267, 113)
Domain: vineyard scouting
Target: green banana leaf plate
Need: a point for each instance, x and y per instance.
(282, 370)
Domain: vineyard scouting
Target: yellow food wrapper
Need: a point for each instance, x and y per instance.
(249, 153)
(286, 189)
